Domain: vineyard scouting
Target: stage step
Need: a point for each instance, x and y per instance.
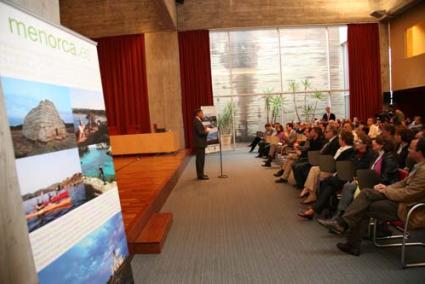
(152, 238)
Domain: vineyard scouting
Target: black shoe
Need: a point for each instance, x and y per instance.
(267, 165)
(280, 180)
(348, 248)
(258, 156)
(325, 222)
(333, 225)
(278, 173)
(204, 177)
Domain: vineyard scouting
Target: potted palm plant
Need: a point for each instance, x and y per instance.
(225, 124)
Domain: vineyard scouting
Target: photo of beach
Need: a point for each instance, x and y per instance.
(51, 185)
(89, 117)
(101, 257)
(97, 167)
(39, 115)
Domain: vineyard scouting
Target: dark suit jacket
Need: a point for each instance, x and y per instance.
(330, 148)
(389, 169)
(331, 117)
(402, 157)
(199, 134)
(346, 155)
(363, 161)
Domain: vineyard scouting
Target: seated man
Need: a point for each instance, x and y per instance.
(385, 203)
(314, 143)
(262, 144)
(302, 168)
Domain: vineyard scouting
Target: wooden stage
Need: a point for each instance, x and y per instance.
(144, 184)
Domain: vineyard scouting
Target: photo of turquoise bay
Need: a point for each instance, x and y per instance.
(39, 115)
(100, 258)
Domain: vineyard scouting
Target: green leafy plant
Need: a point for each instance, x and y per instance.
(225, 119)
(318, 96)
(268, 102)
(277, 103)
(307, 109)
(293, 86)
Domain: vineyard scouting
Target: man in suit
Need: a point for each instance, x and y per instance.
(200, 133)
(328, 115)
(302, 168)
(385, 203)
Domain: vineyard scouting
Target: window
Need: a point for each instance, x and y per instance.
(279, 74)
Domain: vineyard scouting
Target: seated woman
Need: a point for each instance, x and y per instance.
(384, 164)
(281, 135)
(346, 152)
(328, 188)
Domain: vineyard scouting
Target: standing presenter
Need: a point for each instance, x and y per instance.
(200, 133)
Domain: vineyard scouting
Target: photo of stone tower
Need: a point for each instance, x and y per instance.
(44, 124)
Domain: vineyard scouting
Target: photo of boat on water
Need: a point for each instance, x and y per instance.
(101, 257)
(40, 116)
(97, 166)
(52, 185)
(89, 117)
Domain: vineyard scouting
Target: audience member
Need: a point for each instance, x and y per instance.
(373, 128)
(385, 203)
(332, 183)
(403, 138)
(328, 115)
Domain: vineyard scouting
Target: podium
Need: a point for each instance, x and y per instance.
(147, 143)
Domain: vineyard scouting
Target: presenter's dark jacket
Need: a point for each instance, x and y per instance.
(199, 134)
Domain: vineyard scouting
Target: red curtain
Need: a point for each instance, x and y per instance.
(123, 69)
(195, 75)
(364, 70)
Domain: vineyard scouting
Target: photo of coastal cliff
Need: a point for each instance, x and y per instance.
(40, 117)
(98, 166)
(108, 263)
(89, 117)
(52, 185)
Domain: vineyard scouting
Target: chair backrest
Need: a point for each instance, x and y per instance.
(327, 163)
(345, 170)
(367, 178)
(313, 157)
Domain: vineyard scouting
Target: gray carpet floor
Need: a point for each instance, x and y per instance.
(244, 229)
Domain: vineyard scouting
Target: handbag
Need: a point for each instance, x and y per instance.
(357, 191)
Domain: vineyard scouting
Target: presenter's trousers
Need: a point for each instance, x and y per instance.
(200, 161)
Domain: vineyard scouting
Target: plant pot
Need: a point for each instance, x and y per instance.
(226, 139)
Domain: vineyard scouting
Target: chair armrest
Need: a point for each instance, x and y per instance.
(416, 206)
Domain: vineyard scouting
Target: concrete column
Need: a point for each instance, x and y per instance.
(163, 75)
(16, 261)
(47, 9)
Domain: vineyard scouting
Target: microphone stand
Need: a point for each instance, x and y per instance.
(221, 156)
